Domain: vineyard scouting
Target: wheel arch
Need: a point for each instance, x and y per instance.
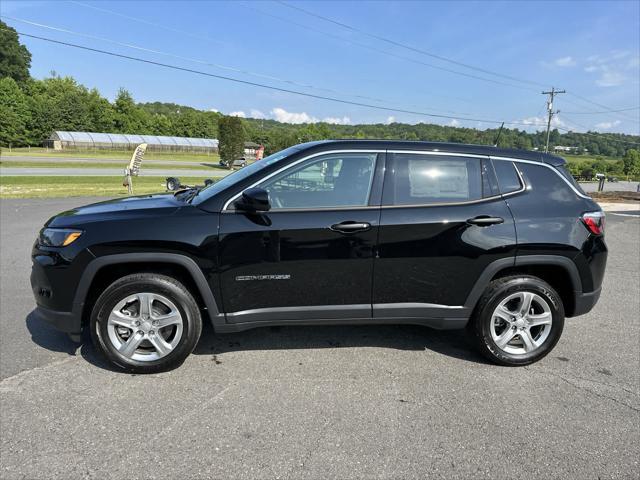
(558, 271)
(102, 270)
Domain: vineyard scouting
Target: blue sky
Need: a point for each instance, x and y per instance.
(591, 49)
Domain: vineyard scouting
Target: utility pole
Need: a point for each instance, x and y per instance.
(550, 112)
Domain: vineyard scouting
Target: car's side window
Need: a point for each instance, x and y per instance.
(508, 178)
(431, 179)
(332, 180)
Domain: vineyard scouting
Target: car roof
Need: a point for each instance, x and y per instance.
(446, 147)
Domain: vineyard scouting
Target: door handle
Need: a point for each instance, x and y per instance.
(485, 220)
(350, 227)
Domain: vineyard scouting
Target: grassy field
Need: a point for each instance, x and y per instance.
(33, 187)
(98, 164)
(588, 158)
(116, 154)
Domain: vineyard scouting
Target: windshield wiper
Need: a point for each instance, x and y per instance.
(189, 193)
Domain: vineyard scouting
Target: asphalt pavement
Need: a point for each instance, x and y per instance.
(321, 402)
(622, 186)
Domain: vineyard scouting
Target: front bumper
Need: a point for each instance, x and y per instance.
(67, 322)
(54, 280)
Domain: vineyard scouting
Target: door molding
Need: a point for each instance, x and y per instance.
(301, 313)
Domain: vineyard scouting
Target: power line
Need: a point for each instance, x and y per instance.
(255, 84)
(408, 47)
(193, 60)
(604, 111)
(387, 53)
(147, 22)
(604, 107)
(570, 120)
(433, 55)
(279, 89)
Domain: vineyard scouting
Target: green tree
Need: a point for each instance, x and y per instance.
(15, 59)
(14, 114)
(231, 135)
(631, 162)
(129, 118)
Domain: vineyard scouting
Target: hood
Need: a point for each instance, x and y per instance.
(131, 207)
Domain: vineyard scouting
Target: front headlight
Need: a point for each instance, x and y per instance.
(58, 237)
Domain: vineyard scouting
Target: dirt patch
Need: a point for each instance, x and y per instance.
(616, 196)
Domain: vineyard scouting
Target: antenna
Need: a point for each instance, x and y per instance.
(495, 143)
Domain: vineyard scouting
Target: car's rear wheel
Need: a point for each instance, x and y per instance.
(145, 323)
(518, 320)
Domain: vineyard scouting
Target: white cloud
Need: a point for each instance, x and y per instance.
(337, 120)
(391, 119)
(610, 78)
(608, 125)
(564, 62)
(534, 121)
(610, 67)
(254, 113)
(542, 121)
(633, 63)
(281, 115)
(213, 110)
(454, 123)
(239, 113)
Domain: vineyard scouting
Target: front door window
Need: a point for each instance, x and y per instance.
(335, 180)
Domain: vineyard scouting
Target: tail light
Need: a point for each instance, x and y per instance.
(594, 221)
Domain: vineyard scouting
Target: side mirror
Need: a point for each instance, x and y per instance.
(253, 200)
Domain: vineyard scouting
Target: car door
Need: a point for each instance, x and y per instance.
(311, 256)
(442, 222)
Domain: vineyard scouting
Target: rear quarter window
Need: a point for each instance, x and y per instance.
(546, 184)
(564, 171)
(508, 178)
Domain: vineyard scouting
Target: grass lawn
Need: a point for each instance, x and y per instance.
(117, 154)
(98, 164)
(32, 187)
(588, 158)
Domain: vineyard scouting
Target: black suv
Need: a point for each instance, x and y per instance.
(503, 242)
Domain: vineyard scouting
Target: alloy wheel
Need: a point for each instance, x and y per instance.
(521, 323)
(145, 327)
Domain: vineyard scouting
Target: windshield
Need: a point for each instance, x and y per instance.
(239, 175)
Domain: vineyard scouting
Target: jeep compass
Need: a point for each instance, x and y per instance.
(503, 242)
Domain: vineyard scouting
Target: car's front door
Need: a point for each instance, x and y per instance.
(311, 256)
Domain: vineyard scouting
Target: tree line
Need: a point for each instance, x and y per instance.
(31, 109)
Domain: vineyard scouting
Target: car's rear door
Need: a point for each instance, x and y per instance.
(311, 256)
(442, 223)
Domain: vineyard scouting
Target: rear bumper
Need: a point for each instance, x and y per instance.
(584, 302)
(67, 322)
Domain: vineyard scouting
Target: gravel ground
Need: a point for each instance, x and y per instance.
(321, 402)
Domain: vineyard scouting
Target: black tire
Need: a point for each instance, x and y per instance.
(496, 292)
(163, 285)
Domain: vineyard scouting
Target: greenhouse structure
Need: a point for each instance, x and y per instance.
(121, 141)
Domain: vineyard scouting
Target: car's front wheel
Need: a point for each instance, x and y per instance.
(146, 323)
(518, 320)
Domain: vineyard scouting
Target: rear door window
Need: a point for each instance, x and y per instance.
(419, 179)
